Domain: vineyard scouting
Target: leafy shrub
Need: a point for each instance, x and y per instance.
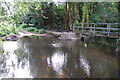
(118, 39)
(47, 27)
(6, 29)
(1, 39)
(24, 25)
(35, 30)
(30, 29)
(41, 31)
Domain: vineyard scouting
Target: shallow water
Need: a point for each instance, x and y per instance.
(53, 58)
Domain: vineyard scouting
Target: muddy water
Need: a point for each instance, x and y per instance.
(53, 58)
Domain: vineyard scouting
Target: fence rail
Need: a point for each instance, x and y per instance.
(98, 28)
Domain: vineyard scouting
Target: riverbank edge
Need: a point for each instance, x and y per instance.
(23, 33)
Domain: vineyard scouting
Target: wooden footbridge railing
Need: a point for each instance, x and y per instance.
(98, 29)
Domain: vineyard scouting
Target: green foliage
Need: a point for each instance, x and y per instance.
(59, 15)
(118, 39)
(35, 30)
(31, 29)
(105, 12)
(23, 25)
(41, 31)
(1, 39)
(7, 28)
(46, 27)
(1, 52)
(37, 16)
(2, 11)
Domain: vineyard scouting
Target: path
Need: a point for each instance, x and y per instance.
(25, 33)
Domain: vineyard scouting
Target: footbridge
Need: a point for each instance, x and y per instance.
(98, 29)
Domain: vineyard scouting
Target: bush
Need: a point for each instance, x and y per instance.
(24, 25)
(47, 27)
(1, 39)
(7, 28)
(41, 31)
(118, 39)
(30, 29)
(35, 30)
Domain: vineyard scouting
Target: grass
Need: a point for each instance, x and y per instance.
(35, 30)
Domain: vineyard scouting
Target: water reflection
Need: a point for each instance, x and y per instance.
(56, 45)
(9, 46)
(11, 66)
(85, 65)
(53, 58)
(58, 60)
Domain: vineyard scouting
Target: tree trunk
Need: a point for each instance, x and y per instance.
(79, 9)
(66, 16)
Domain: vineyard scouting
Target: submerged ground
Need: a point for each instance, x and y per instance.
(39, 57)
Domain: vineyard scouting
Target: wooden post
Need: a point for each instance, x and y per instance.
(90, 28)
(82, 27)
(108, 30)
(94, 29)
(73, 27)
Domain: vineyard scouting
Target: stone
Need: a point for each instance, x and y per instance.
(68, 35)
(11, 38)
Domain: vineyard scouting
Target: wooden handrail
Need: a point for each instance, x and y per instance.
(98, 28)
(95, 28)
(97, 23)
